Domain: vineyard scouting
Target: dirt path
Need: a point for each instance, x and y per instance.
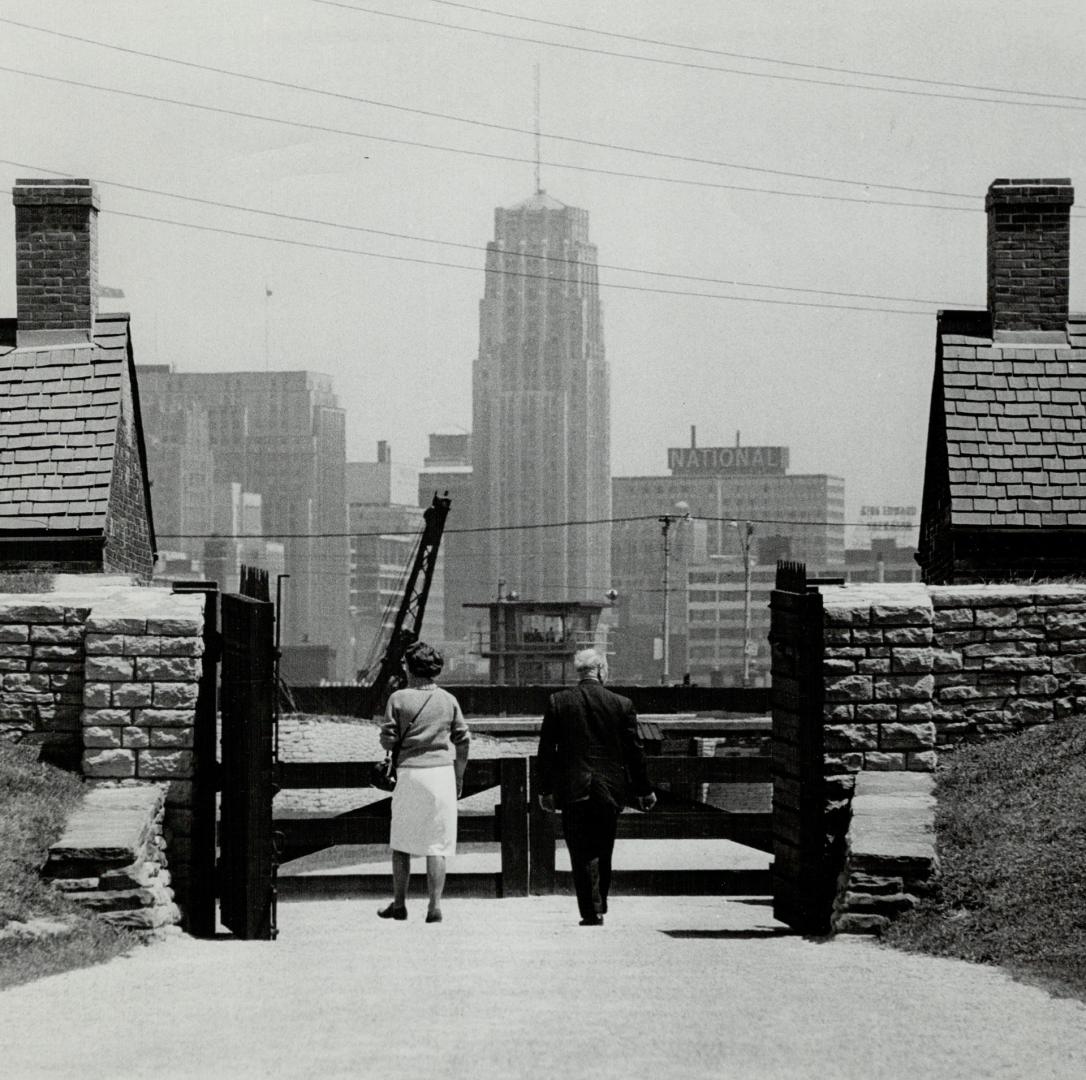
(670, 987)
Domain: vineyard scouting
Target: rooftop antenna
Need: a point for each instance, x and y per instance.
(538, 138)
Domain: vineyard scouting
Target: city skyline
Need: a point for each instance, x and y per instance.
(396, 329)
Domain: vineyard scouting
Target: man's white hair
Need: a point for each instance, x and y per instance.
(590, 660)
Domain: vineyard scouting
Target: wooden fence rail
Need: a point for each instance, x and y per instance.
(526, 833)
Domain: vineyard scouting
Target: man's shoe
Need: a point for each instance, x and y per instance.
(596, 920)
(393, 912)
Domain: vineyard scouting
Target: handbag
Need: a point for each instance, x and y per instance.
(384, 772)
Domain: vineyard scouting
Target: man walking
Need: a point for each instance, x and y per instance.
(590, 755)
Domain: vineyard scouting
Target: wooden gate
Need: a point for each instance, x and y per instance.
(246, 840)
(802, 870)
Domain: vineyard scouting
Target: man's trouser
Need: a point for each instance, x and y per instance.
(589, 826)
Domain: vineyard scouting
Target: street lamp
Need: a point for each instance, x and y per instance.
(666, 521)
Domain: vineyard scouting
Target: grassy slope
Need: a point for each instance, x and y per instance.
(35, 799)
(1011, 827)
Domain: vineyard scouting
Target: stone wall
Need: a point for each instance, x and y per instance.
(105, 674)
(911, 668)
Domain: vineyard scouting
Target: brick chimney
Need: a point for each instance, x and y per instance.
(56, 258)
(1029, 254)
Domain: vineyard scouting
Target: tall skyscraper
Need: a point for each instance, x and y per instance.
(542, 426)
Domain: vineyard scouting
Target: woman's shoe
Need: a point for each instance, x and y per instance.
(393, 912)
(433, 916)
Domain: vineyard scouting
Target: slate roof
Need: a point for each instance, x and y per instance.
(1015, 424)
(59, 412)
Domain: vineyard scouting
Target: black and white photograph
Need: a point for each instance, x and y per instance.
(542, 539)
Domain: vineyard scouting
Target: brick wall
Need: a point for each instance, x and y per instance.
(910, 668)
(56, 252)
(1029, 253)
(110, 670)
(127, 546)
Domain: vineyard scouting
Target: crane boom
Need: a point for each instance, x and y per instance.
(408, 622)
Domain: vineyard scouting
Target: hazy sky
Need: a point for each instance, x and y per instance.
(846, 390)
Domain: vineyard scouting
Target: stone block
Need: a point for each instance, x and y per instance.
(833, 764)
(978, 596)
(867, 636)
(106, 717)
(1038, 685)
(183, 646)
(12, 663)
(953, 618)
(1015, 633)
(168, 669)
(16, 650)
(164, 717)
(170, 738)
(1069, 664)
(1028, 711)
(846, 652)
(174, 695)
(875, 665)
(889, 904)
(875, 884)
(876, 714)
(855, 923)
(109, 669)
(994, 648)
(104, 644)
(878, 761)
(851, 737)
(912, 660)
(141, 645)
(846, 688)
(837, 714)
(841, 615)
(905, 688)
(19, 682)
(57, 634)
(919, 712)
(95, 737)
(833, 666)
(1066, 624)
(31, 613)
(97, 694)
(953, 639)
(99, 624)
(922, 760)
(908, 635)
(945, 660)
(1018, 664)
(907, 736)
(109, 763)
(165, 764)
(135, 737)
(834, 637)
(13, 634)
(181, 627)
(901, 615)
(997, 616)
(132, 695)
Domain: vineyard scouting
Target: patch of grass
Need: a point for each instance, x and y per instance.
(35, 800)
(1011, 837)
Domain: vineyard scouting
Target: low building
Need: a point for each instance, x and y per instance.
(533, 642)
(881, 560)
(75, 494)
(1005, 475)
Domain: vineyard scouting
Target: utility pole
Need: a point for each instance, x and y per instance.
(745, 530)
(666, 521)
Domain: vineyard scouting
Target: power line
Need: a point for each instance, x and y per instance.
(523, 528)
(760, 59)
(496, 250)
(481, 123)
(701, 67)
(487, 155)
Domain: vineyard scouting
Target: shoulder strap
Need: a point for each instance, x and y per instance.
(407, 726)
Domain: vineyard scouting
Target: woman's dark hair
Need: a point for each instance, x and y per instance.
(423, 660)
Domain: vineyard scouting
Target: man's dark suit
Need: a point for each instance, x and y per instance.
(590, 757)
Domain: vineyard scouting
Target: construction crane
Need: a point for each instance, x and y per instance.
(389, 675)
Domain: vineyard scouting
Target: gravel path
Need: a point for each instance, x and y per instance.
(669, 988)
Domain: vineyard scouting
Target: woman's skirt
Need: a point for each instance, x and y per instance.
(424, 811)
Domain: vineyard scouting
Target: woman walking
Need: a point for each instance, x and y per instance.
(425, 726)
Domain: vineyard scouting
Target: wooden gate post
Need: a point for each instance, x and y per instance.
(514, 826)
(541, 839)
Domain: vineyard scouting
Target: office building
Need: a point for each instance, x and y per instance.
(541, 429)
